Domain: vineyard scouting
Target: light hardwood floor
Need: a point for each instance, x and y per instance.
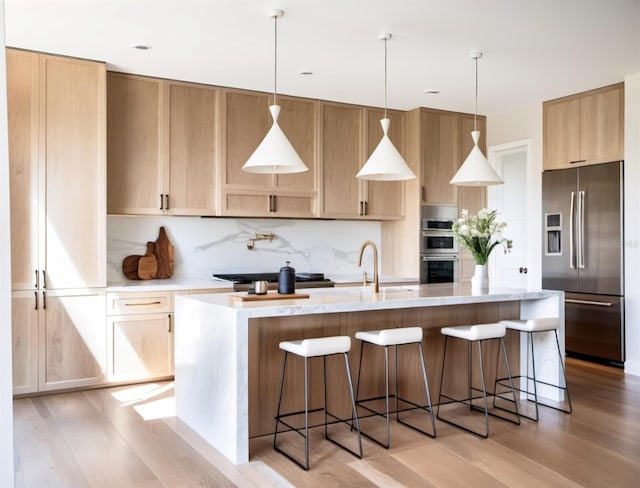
(127, 436)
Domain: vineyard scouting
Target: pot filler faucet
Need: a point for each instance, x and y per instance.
(376, 285)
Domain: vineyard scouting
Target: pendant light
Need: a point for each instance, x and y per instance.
(476, 170)
(385, 162)
(275, 154)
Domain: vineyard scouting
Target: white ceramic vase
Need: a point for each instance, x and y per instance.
(480, 279)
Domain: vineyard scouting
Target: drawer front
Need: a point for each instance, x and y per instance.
(139, 303)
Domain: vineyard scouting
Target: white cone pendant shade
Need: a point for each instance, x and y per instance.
(385, 163)
(275, 154)
(476, 170)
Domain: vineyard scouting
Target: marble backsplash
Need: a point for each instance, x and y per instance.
(204, 246)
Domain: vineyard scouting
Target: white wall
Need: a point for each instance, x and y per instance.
(219, 245)
(632, 230)
(6, 405)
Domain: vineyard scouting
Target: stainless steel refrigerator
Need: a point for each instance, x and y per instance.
(583, 254)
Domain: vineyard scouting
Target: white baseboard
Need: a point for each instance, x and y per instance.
(632, 368)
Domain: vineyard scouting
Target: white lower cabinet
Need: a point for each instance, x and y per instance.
(139, 336)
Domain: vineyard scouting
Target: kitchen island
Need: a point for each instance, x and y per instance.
(227, 360)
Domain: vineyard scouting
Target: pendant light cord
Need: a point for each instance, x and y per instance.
(275, 58)
(475, 113)
(385, 78)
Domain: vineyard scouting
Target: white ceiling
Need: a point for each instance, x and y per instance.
(534, 50)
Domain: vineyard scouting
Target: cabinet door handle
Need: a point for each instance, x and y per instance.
(141, 304)
(44, 279)
(423, 195)
(366, 210)
(36, 295)
(275, 203)
(169, 323)
(166, 201)
(576, 162)
(161, 201)
(37, 284)
(361, 211)
(44, 300)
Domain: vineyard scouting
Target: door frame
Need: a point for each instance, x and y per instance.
(533, 259)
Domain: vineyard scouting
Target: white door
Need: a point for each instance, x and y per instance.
(511, 200)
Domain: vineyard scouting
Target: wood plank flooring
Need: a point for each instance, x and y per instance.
(128, 437)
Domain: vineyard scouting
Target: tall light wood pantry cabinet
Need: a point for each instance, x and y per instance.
(246, 121)
(162, 146)
(56, 114)
(585, 128)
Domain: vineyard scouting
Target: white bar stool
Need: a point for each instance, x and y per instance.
(394, 337)
(309, 348)
(476, 334)
(530, 327)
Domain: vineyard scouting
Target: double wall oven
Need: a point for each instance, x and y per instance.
(438, 248)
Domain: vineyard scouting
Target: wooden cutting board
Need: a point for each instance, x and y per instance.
(164, 253)
(246, 297)
(130, 267)
(148, 264)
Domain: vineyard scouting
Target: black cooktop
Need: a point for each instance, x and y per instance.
(246, 278)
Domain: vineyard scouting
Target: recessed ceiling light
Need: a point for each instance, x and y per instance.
(430, 91)
(305, 73)
(141, 47)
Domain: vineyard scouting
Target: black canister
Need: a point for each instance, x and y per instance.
(287, 280)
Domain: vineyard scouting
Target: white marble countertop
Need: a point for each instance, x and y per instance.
(358, 298)
(171, 284)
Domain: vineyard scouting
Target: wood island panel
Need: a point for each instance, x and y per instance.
(265, 357)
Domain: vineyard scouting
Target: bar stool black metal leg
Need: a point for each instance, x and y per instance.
(414, 406)
(535, 382)
(353, 404)
(444, 358)
(564, 375)
(484, 393)
(359, 371)
(306, 413)
(513, 390)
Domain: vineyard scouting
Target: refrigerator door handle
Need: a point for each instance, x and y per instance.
(588, 302)
(571, 227)
(581, 196)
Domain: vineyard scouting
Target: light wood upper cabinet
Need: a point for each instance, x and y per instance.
(162, 148)
(350, 133)
(23, 120)
(441, 142)
(135, 145)
(586, 128)
(74, 149)
(56, 112)
(342, 155)
(440, 156)
(246, 121)
(191, 145)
